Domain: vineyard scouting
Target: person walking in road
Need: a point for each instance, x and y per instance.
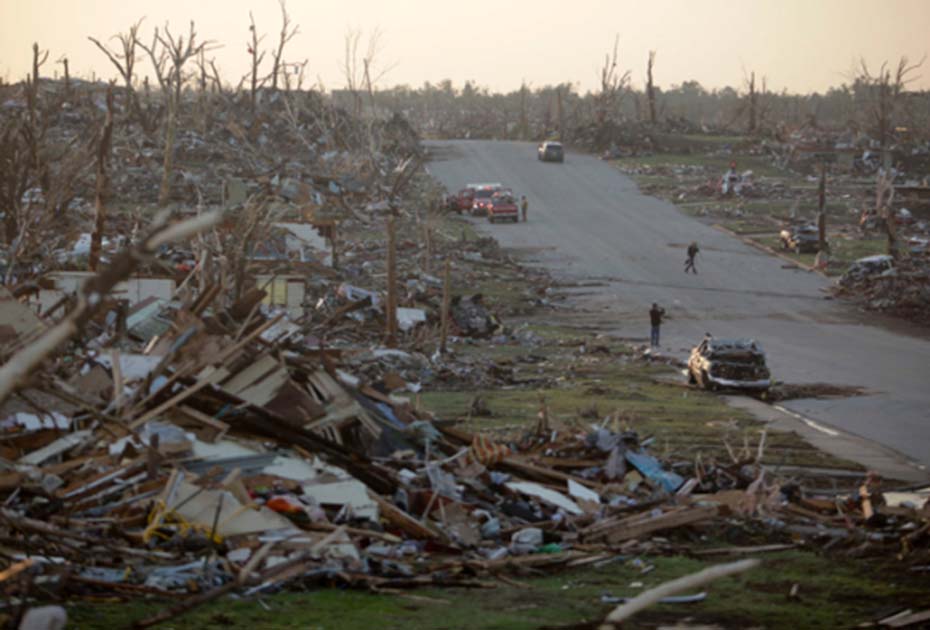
(655, 318)
(524, 205)
(692, 252)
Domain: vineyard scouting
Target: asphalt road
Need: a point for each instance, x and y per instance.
(589, 222)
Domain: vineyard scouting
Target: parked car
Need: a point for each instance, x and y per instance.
(463, 199)
(729, 364)
(802, 239)
(482, 199)
(551, 152)
(503, 207)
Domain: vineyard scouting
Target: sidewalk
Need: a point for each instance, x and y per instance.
(887, 462)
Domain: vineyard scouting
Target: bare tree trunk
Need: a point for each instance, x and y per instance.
(164, 191)
(256, 62)
(650, 87)
(883, 107)
(64, 62)
(103, 184)
(885, 186)
(391, 306)
(286, 35)
(446, 304)
(38, 58)
(752, 103)
(15, 170)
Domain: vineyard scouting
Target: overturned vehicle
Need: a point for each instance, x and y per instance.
(729, 364)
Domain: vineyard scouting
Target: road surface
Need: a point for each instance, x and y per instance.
(589, 222)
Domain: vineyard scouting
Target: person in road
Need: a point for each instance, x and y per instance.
(524, 204)
(692, 252)
(655, 318)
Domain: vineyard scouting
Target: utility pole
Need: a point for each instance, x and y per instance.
(822, 209)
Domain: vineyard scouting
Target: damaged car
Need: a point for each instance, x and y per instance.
(729, 364)
(802, 239)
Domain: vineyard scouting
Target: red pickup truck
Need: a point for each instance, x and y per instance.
(503, 207)
(482, 200)
(462, 200)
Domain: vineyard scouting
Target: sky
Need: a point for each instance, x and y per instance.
(798, 45)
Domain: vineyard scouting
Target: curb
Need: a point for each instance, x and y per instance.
(769, 250)
(836, 441)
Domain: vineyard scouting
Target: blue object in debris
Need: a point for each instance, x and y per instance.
(650, 467)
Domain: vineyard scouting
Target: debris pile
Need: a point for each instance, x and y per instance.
(231, 453)
(901, 288)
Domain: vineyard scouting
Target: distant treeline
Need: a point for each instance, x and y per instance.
(863, 107)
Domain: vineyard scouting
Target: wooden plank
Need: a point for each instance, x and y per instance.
(401, 520)
(737, 551)
(219, 426)
(626, 530)
(168, 404)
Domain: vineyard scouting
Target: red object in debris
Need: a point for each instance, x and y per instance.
(284, 505)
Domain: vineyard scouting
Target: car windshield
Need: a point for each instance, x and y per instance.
(484, 193)
(503, 199)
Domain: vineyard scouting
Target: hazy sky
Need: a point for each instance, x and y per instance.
(801, 45)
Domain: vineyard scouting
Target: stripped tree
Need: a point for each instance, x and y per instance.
(124, 59)
(15, 173)
(613, 85)
(255, 82)
(881, 95)
(287, 34)
(63, 60)
(650, 87)
(102, 187)
(169, 54)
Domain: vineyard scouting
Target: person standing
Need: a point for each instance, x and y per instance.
(655, 319)
(524, 205)
(692, 252)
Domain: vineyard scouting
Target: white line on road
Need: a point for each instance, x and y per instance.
(808, 422)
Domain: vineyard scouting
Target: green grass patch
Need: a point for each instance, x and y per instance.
(582, 389)
(843, 251)
(833, 593)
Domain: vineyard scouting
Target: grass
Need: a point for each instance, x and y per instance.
(832, 593)
(715, 165)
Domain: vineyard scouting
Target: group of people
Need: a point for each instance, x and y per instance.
(657, 313)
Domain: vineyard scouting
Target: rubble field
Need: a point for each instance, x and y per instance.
(265, 379)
